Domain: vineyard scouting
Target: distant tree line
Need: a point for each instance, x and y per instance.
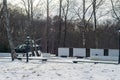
(60, 31)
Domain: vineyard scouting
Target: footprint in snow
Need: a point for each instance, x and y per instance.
(39, 75)
(58, 74)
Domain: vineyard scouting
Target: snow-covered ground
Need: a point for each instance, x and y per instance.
(57, 69)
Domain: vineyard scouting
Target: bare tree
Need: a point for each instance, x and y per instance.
(94, 15)
(7, 27)
(95, 8)
(29, 9)
(115, 9)
(85, 14)
(84, 10)
(46, 32)
(65, 9)
(28, 5)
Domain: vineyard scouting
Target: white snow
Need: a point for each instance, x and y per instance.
(57, 69)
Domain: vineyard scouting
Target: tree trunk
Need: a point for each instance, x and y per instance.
(66, 14)
(28, 12)
(95, 23)
(59, 32)
(47, 41)
(31, 2)
(84, 26)
(7, 26)
(65, 35)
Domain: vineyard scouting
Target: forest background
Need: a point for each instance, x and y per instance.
(62, 23)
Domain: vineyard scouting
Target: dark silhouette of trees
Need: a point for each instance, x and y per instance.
(63, 31)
